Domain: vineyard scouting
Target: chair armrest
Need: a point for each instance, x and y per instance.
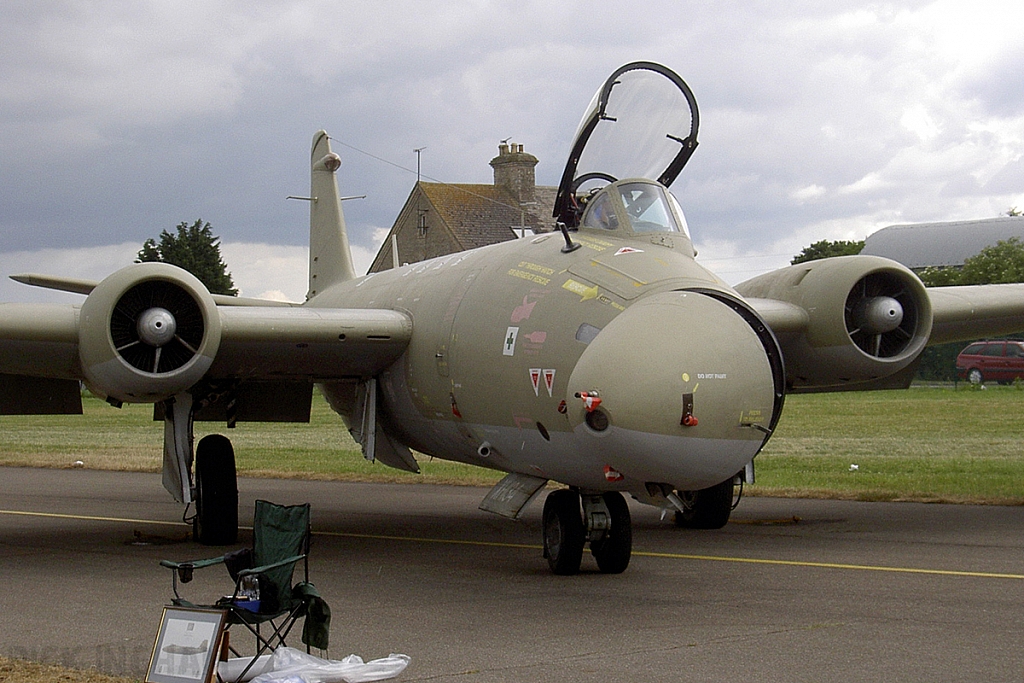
(196, 564)
(183, 570)
(256, 570)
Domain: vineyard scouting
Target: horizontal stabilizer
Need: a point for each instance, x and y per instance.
(61, 284)
(77, 286)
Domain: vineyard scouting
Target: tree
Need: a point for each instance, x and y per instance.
(196, 249)
(827, 249)
(939, 276)
(999, 263)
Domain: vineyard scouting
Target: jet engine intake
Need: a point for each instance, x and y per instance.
(868, 318)
(147, 332)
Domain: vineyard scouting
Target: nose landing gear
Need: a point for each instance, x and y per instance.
(709, 508)
(605, 523)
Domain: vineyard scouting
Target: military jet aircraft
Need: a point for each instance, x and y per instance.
(601, 356)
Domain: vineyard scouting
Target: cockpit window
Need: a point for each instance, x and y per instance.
(601, 213)
(677, 211)
(644, 206)
(647, 207)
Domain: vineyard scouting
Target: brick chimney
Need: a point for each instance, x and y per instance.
(513, 170)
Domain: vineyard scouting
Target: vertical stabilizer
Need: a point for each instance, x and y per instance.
(330, 259)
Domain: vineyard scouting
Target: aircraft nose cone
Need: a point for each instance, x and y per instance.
(686, 391)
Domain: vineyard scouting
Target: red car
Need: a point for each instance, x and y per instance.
(1000, 360)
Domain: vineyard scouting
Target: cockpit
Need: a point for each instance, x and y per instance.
(638, 133)
(633, 205)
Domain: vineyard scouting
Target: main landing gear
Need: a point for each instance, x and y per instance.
(216, 496)
(605, 523)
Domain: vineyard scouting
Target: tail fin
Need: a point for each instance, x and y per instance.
(330, 258)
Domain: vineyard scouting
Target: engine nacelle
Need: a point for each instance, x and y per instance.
(147, 332)
(869, 318)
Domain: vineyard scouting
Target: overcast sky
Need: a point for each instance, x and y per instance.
(818, 120)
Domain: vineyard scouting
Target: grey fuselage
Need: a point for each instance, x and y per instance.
(506, 336)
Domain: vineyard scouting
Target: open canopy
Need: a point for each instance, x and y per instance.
(642, 123)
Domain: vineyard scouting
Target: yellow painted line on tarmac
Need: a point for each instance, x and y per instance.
(832, 565)
(700, 558)
(526, 546)
(88, 518)
(418, 539)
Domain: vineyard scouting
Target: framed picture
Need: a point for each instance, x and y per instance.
(186, 646)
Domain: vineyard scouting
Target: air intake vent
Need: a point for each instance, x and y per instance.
(156, 326)
(881, 315)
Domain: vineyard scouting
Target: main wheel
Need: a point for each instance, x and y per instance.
(613, 551)
(564, 534)
(707, 508)
(216, 520)
(974, 376)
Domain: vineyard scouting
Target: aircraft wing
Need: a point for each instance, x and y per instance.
(861, 322)
(313, 344)
(114, 342)
(975, 311)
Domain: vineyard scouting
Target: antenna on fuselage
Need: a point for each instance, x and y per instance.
(570, 246)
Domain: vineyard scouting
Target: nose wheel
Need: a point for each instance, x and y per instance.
(708, 508)
(604, 522)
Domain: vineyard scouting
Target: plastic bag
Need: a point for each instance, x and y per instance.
(288, 665)
(230, 669)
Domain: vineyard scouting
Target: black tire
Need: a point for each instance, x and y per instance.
(216, 520)
(707, 508)
(974, 376)
(564, 535)
(614, 550)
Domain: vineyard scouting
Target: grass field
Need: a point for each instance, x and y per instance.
(924, 444)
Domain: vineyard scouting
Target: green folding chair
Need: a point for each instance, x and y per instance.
(281, 536)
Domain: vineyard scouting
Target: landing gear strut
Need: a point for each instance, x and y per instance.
(605, 523)
(216, 519)
(613, 551)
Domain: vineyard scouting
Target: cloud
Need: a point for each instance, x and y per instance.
(808, 193)
(267, 271)
(262, 271)
(917, 120)
(122, 119)
(90, 263)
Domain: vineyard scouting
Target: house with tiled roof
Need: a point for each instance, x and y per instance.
(444, 218)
